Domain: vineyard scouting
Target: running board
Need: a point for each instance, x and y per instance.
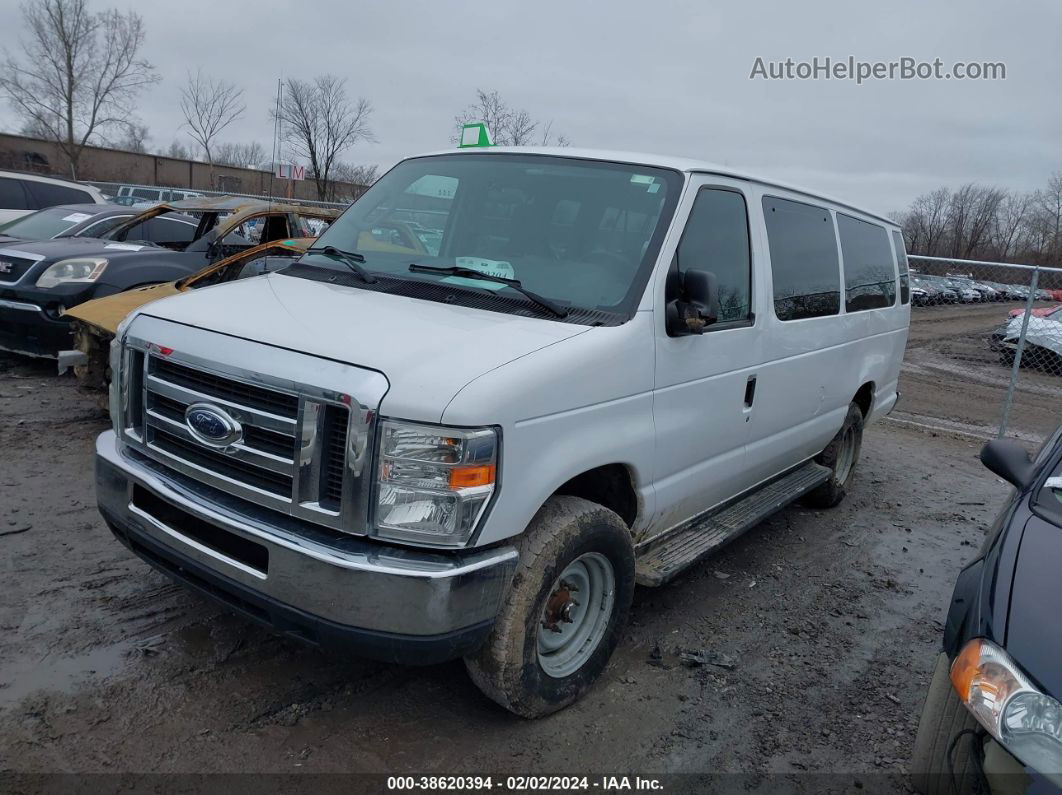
(660, 561)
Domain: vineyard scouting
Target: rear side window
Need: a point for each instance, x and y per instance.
(12, 196)
(901, 265)
(716, 239)
(49, 195)
(804, 264)
(869, 267)
(162, 230)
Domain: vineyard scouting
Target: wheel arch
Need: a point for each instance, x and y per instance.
(611, 485)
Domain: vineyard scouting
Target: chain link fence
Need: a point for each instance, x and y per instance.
(985, 350)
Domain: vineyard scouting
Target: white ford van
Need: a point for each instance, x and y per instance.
(502, 388)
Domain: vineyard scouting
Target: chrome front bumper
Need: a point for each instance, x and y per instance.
(384, 601)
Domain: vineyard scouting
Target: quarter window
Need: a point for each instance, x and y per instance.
(901, 264)
(869, 267)
(716, 239)
(49, 195)
(804, 264)
(12, 196)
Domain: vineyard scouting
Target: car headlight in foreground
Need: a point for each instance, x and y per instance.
(433, 483)
(79, 269)
(1023, 720)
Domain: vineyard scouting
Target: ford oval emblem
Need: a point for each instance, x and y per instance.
(212, 426)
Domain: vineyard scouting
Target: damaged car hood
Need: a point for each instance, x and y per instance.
(427, 350)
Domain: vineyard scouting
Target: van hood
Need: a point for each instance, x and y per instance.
(427, 350)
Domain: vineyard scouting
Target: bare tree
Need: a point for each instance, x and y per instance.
(1010, 224)
(320, 123)
(1049, 216)
(250, 155)
(349, 181)
(134, 138)
(176, 150)
(549, 140)
(79, 73)
(508, 126)
(209, 106)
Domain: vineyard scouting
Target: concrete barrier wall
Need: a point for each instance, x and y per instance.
(19, 153)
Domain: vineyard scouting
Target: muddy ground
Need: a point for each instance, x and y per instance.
(831, 621)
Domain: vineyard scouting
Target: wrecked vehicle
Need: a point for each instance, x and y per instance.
(96, 321)
(42, 280)
(599, 369)
(1043, 341)
(992, 720)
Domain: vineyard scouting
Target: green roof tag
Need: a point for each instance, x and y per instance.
(475, 134)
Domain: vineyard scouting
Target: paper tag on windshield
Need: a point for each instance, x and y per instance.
(76, 218)
(124, 246)
(491, 267)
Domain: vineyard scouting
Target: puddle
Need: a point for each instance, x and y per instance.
(62, 674)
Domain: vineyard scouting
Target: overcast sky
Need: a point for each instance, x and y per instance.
(660, 77)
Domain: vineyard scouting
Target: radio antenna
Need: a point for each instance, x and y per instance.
(276, 138)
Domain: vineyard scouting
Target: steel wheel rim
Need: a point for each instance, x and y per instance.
(846, 457)
(569, 634)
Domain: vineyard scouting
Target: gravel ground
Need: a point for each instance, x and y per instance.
(827, 622)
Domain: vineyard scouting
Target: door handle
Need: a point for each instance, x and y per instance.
(750, 391)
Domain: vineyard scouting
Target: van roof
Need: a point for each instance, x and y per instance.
(687, 165)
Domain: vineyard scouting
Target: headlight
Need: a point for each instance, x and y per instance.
(1025, 721)
(86, 269)
(433, 483)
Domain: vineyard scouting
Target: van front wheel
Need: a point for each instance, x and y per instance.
(565, 612)
(840, 457)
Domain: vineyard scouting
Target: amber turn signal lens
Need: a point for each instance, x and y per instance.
(469, 477)
(965, 668)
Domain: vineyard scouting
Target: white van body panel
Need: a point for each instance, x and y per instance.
(427, 350)
(569, 398)
(699, 413)
(602, 415)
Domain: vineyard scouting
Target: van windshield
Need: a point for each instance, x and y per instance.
(581, 233)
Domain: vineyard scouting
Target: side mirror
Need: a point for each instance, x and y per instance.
(1009, 460)
(696, 305)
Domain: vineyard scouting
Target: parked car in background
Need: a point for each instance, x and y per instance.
(966, 292)
(131, 201)
(140, 193)
(605, 368)
(992, 720)
(21, 194)
(1042, 311)
(86, 220)
(96, 321)
(931, 291)
(41, 280)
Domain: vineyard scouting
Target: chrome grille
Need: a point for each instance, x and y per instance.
(296, 454)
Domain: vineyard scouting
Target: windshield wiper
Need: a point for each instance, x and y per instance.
(352, 259)
(469, 273)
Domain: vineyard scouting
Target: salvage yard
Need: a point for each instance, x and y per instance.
(805, 647)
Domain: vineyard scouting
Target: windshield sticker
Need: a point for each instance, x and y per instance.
(76, 218)
(491, 267)
(124, 246)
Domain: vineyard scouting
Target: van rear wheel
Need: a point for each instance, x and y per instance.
(840, 457)
(564, 613)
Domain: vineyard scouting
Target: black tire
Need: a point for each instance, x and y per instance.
(834, 490)
(507, 667)
(943, 718)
